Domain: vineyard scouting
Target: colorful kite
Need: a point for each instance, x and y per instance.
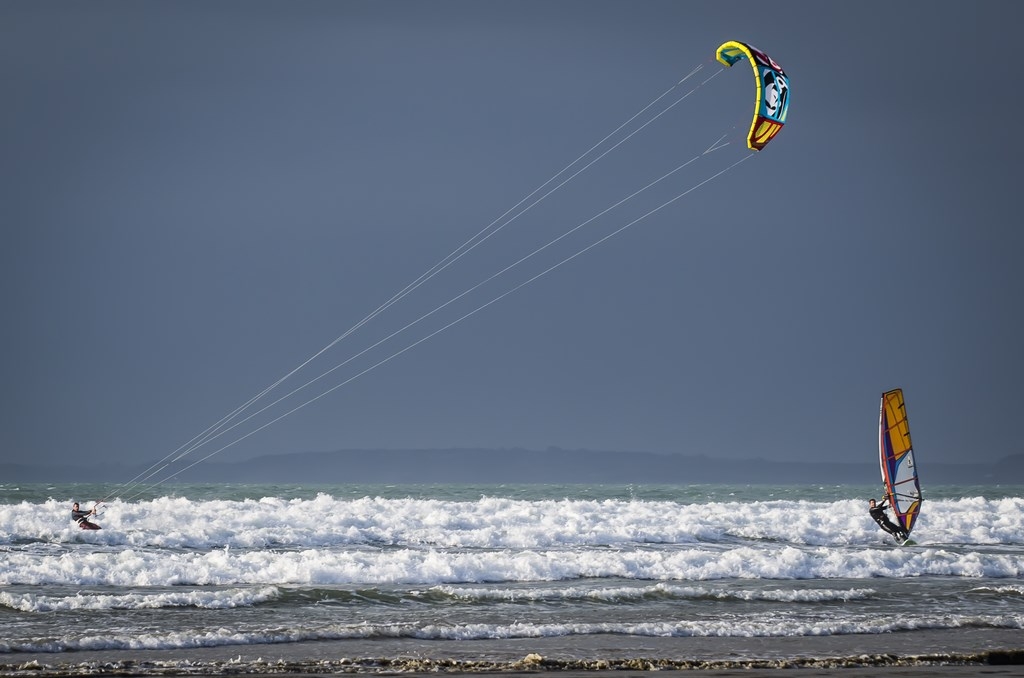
(772, 102)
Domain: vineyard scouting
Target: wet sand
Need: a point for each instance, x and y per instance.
(966, 652)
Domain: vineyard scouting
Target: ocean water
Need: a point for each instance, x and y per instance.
(239, 566)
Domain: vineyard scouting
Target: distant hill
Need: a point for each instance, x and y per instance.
(522, 466)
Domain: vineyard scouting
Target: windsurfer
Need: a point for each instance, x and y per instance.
(877, 512)
(81, 517)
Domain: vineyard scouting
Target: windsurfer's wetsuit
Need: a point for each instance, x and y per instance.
(878, 513)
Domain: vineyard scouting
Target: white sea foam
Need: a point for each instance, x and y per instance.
(628, 593)
(213, 600)
(135, 568)
(498, 523)
(330, 541)
(1014, 590)
(766, 627)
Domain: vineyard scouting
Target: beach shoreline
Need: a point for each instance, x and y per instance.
(996, 652)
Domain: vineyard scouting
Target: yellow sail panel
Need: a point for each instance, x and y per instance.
(764, 133)
(898, 428)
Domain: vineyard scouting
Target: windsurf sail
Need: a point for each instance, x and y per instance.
(896, 458)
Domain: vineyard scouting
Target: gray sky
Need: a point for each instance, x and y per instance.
(196, 197)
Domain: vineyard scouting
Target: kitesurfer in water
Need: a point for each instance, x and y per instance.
(877, 512)
(81, 517)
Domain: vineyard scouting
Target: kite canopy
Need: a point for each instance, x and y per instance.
(772, 101)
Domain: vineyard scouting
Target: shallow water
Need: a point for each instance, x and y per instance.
(266, 566)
